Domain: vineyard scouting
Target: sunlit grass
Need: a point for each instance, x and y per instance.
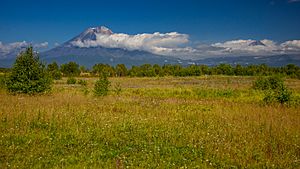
(194, 122)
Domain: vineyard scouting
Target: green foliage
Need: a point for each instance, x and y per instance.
(283, 95)
(28, 74)
(269, 83)
(117, 88)
(83, 69)
(154, 123)
(121, 70)
(4, 70)
(70, 69)
(52, 67)
(56, 75)
(2, 81)
(99, 69)
(71, 80)
(82, 82)
(54, 71)
(85, 90)
(275, 90)
(148, 70)
(102, 85)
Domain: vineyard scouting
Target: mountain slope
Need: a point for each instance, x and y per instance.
(274, 60)
(89, 56)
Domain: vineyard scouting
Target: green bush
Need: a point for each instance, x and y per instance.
(102, 85)
(71, 80)
(2, 81)
(273, 82)
(275, 90)
(283, 95)
(82, 82)
(56, 75)
(54, 71)
(70, 69)
(28, 74)
(117, 89)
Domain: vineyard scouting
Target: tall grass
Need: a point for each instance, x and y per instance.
(153, 125)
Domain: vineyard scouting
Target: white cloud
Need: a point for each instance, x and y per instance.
(6, 48)
(176, 44)
(41, 45)
(172, 44)
(247, 47)
(291, 46)
(16, 47)
(154, 43)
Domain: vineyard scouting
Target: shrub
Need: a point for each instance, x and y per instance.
(102, 86)
(117, 88)
(270, 97)
(2, 81)
(70, 69)
(71, 80)
(85, 91)
(28, 74)
(275, 90)
(54, 71)
(283, 95)
(56, 75)
(273, 82)
(82, 82)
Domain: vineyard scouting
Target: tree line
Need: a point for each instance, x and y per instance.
(73, 69)
(148, 70)
(29, 75)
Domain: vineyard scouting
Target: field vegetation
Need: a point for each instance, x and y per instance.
(151, 122)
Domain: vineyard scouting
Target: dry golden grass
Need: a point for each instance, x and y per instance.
(194, 122)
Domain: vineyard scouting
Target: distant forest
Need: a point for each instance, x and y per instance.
(148, 70)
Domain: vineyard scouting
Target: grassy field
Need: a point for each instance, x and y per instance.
(191, 122)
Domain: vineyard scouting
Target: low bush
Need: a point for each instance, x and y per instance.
(275, 90)
(102, 85)
(117, 89)
(267, 83)
(56, 75)
(2, 81)
(82, 82)
(71, 80)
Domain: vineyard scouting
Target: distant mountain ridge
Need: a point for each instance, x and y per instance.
(93, 54)
(274, 60)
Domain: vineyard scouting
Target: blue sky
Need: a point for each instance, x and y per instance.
(205, 21)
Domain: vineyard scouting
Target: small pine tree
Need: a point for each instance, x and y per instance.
(28, 74)
(102, 86)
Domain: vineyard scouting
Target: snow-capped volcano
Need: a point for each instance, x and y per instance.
(85, 49)
(89, 34)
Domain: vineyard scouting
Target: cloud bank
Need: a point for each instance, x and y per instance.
(155, 43)
(178, 45)
(11, 49)
(169, 44)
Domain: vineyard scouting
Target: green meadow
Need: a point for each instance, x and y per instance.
(155, 122)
